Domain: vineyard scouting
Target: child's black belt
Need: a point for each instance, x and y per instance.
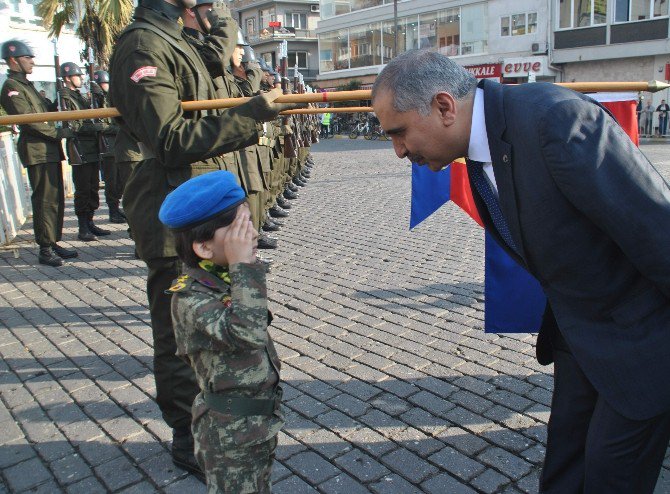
(241, 405)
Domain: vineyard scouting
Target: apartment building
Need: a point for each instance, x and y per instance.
(266, 24)
(18, 21)
(503, 40)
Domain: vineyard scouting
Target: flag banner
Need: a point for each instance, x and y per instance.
(514, 301)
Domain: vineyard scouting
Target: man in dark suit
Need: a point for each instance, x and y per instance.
(563, 190)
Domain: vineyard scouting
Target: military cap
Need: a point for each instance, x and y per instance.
(101, 76)
(15, 48)
(201, 199)
(68, 69)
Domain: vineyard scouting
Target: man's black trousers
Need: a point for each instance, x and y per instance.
(591, 448)
(86, 179)
(48, 201)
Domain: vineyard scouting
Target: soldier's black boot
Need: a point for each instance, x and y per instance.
(293, 187)
(289, 194)
(85, 233)
(283, 203)
(96, 230)
(298, 182)
(48, 257)
(277, 212)
(266, 242)
(182, 452)
(64, 253)
(115, 214)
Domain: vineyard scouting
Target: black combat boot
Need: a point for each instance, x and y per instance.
(277, 212)
(293, 187)
(48, 257)
(64, 253)
(182, 452)
(96, 230)
(85, 233)
(298, 182)
(115, 214)
(269, 226)
(289, 194)
(266, 242)
(283, 203)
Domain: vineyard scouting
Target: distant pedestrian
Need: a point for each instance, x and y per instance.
(663, 110)
(647, 119)
(220, 317)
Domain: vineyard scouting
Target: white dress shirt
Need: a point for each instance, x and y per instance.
(478, 149)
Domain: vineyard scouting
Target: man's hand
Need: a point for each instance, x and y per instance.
(268, 109)
(240, 239)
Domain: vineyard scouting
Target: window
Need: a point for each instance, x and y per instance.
(504, 26)
(581, 13)
(300, 57)
(296, 20)
(638, 10)
(265, 16)
(251, 26)
(518, 24)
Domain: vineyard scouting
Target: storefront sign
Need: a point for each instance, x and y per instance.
(520, 67)
(485, 70)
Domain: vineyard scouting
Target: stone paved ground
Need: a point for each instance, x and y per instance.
(391, 386)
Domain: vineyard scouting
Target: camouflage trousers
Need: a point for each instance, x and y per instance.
(235, 458)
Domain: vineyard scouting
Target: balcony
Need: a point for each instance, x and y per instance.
(281, 33)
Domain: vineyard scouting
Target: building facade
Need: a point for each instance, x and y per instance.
(504, 40)
(266, 24)
(19, 21)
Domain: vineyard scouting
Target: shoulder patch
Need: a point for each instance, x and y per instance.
(13, 93)
(181, 284)
(143, 72)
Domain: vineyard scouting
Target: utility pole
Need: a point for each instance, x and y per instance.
(395, 28)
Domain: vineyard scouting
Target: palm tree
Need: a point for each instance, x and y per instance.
(98, 22)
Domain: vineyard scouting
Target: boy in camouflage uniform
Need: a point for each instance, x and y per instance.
(220, 317)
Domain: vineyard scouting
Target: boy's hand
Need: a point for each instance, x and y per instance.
(240, 240)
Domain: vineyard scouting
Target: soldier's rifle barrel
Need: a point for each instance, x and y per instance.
(325, 97)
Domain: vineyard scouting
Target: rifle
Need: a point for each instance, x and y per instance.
(73, 154)
(297, 123)
(289, 143)
(103, 146)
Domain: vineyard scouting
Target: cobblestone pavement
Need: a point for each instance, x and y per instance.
(391, 386)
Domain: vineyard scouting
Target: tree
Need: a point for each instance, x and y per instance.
(99, 22)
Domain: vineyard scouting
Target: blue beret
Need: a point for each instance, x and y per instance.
(201, 199)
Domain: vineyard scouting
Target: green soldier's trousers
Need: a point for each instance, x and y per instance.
(176, 385)
(232, 465)
(86, 180)
(48, 201)
(115, 175)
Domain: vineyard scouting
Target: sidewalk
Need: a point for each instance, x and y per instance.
(391, 386)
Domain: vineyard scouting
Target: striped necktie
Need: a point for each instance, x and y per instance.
(476, 173)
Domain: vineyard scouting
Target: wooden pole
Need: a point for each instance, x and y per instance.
(326, 97)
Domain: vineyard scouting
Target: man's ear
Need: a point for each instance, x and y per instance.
(446, 106)
(202, 249)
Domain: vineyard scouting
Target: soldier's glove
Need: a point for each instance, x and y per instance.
(223, 27)
(65, 133)
(265, 109)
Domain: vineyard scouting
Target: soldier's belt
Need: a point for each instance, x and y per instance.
(240, 405)
(266, 141)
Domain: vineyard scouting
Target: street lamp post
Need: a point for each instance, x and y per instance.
(395, 28)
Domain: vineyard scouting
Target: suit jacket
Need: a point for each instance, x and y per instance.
(591, 218)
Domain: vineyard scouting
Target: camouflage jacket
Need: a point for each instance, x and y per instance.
(221, 330)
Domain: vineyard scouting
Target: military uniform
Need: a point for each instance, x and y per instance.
(115, 176)
(40, 152)
(84, 156)
(152, 69)
(221, 330)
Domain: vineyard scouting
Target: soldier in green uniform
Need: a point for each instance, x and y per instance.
(220, 314)
(153, 69)
(115, 176)
(39, 148)
(83, 151)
